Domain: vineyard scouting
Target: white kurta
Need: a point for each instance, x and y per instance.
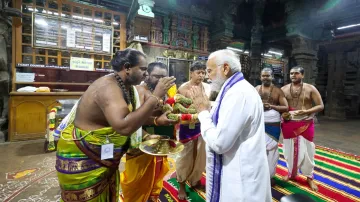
(240, 137)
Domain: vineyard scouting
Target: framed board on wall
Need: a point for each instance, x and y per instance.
(53, 32)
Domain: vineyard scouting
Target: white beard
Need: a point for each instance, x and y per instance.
(215, 87)
(217, 84)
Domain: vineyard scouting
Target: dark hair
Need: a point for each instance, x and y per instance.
(197, 66)
(128, 57)
(301, 69)
(267, 69)
(152, 66)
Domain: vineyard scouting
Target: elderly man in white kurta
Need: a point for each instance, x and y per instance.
(236, 164)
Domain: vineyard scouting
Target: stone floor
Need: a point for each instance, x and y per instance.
(27, 173)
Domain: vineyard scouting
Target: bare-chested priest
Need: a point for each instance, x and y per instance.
(274, 104)
(102, 126)
(192, 160)
(298, 126)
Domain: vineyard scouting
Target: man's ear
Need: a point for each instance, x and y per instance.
(127, 66)
(227, 69)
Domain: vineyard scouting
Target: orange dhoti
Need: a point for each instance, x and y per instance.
(143, 177)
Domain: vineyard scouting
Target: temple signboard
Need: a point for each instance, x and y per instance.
(85, 64)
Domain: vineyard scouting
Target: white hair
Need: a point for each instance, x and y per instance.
(229, 57)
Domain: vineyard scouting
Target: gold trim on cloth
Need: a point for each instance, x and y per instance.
(71, 166)
(84, 194)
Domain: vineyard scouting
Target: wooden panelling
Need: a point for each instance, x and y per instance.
(28, 115)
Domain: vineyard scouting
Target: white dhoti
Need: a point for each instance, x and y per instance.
(305, 157)
(272, 117)
(299, 149)
(272, 154)
(190, 164)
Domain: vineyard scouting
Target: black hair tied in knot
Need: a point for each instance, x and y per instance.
(127, 58)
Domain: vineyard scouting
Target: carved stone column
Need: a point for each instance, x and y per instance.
(301, 32)
(195, 37)
(130, 32)
(305, 53)
(166, 32)
(256, 42)
(222, 34)
(173, 29)
(4, 79)
(153, 31)
(204, 38)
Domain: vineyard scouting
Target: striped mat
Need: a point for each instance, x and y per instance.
(337, 175)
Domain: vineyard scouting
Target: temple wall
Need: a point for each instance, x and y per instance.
(342, 67)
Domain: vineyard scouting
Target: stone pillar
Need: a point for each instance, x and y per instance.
(256, 47)
(173, 29)
(153, 31)
(195, 37)
(4, 79)
(204, 38)
(301, 34)
(130, 32)
(166, 33)
(219, 42)
(256, 43)
(305, 53)
(222, 34)
(222, 31)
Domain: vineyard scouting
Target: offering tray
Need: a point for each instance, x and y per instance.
(161, 147)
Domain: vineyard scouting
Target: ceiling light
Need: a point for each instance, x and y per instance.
(276, 53)
(267, 55)
(234, 49)
(348, 26)
(98, 20)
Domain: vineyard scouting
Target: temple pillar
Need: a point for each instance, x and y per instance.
(222, 32)
(305, 53)
(204, 38)
(219, 42)
(222, 35)
(303, 37)
(256, 43)
(4, 78)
